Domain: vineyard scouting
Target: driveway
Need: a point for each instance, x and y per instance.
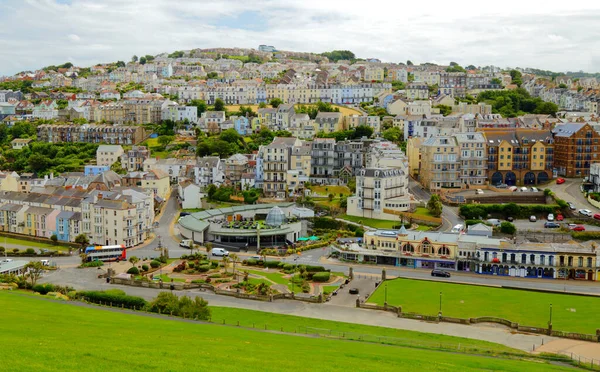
(365, 285)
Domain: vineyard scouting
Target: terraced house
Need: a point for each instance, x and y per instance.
(90, 133)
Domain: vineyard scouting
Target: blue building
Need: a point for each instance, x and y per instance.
(68, 225)
(241, 125)
(94, 170)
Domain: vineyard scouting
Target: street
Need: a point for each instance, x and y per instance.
(450, 216)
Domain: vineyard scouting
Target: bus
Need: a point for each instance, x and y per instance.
(106, 253)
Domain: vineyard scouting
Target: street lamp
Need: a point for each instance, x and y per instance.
(385, 294)
(440, 303)
(550, 322)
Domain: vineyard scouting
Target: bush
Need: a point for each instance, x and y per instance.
(507, 228)
(586, 235)
(43, 288)
(133, 270)
(203, 268)
(93, 264)
(155, 264)
(179, 268)
(251, 262)
(271, 264)
(116, 298)
(289, 267)
(321, 276)
(313, 269)
(168, 303)
(30, 251)
(145, 267)
(214, 264)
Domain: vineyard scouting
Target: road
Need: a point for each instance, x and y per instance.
(450, 216)
(570, 192)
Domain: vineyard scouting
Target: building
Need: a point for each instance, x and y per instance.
(413, 152)
(89, 133)
(107, 155)
(576, 147)
(417, 91)
(440, 164)
(179, 113)
(379, 193)
(20, 143)
(209, 170)
(473, 158)
(133, 160)
(94, 170)
(189, 195)
(519, 156)
(235, 166)
(275, 158)
(211, 121)
(373, 122)
(328, 122)
(159, 182)
(323, 160)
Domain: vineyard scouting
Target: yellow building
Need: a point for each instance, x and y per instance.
(159, 182)
(413, 152)
(440, 164)
(9, 181)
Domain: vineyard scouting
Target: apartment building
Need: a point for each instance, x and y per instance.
(440, 164)
(379, 192)
(235, 166)
(576, 148)
(417, 91)
(373, 122)
(519, 156)
(107, 155)
(207, 170)
(133, 160)
(473, 158)
(275, 160)
(300, 166)
(349, 158)
(323, 160)
(89, 133)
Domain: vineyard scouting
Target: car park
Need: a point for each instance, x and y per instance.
(560, 217)
(524, 189)
(577, 228)
(560, 181)
(440, 273)
(550, 217)
(551, 225)
(585, 212)
(532, 218)
(534, 189)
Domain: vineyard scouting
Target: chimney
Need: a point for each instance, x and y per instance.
(99, 196)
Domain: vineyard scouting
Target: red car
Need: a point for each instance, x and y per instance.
(578, 228)
(559, 217)
(597, 216)
(560, 181)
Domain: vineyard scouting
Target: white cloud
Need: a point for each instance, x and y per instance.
(532, 33)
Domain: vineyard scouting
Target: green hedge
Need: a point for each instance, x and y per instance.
(155, 264)
(116, 299)
(43, 288)
(314, 269)
(321, 276)
(133, 270)
(586, 235)
(474, 211)
(93, 264)
(271, 264)
(203, 268)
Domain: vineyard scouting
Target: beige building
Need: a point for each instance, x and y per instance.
(275, 158)
(133, 160)
(473, 158)
(9, 181)
(440, 165)
(328, 122)
(158, 181)
(413, 152)
(373, 122)
(107, 155)
(235, 166)
(378, 189)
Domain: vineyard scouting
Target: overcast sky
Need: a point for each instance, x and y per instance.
(532, 33)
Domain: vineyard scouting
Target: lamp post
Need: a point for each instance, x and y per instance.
(385, 294)
(440, 303)
(550, 322)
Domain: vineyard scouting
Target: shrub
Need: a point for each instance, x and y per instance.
(198, 281)
(321, 276)
(179, 268)
(251, 262)
(163, 259)
(115, 298)
(586, 235)
(15, 250)
(133, 270)
(214, 264)
(313, 269)
(155, 264)
(43, 288)
(145, 267)
(271, 264)
(507, 228)
(2, 249)
(30, 251)
(203, 268)
(93, 264)
(473, 222)
(289, 267)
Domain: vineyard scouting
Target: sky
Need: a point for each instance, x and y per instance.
(550, 34)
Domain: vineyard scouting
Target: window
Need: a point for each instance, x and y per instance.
(580, 262)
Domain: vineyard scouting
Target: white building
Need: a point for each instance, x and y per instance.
(190, 195)
(107, 155)
(379, 191)
(178, 113)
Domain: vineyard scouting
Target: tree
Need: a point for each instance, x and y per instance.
(234, 258)
(120, 64)
(444, 109)
(212, 75)
(393, 134)
(133, 260)
(134, 58)
(275, 102)
(201, 106)
(219, 105)
(54, 239)
(434, 205)
(496, 81)
(409, 63)
(149, 58)
(38, 162)
(82, 240)
(142, 60)
(511, 210)
(507, 228)
(225, 263)
(455, 68)
(336, 55)
(262, 105)
(516, 77)
(165, 140)
(362, 131)
(562, 86)
(330, 197)
(117, 167)
(34, 270)
(211, 190)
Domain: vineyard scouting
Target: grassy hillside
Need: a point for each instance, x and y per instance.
(48, 335)
(570, 313)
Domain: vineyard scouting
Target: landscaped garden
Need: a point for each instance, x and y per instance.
(570, 313)
(66, 328)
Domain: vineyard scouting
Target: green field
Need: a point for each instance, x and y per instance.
(569, 313)
(93, 339)
(371, 222)
(331, 189)
(420, 211)
(30, 244)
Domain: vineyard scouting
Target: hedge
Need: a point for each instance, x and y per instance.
(314, 269)
(203, 268)
(474, 211)
(145, 267)
(155, 264)
(115, 299)
(133, 270)
(271, 264)
(586, 235)
(93, 264)
(43, 288)
(321, 276)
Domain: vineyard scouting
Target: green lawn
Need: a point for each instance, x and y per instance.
(335, 190)
(371, 222)
(327, 289)
(57, 345)
(272, 275)
(423, 228)
(30, 244)
(166, 279)
(570, 313)
(420, 211)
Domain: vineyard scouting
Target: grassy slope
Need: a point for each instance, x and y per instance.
(468, 301)
(56, 336)
(30, 244)
(371, 222)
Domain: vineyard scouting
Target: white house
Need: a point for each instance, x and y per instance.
(190, 195)
(107, 155)
(110, 94)
(177, 113)
(209, 170)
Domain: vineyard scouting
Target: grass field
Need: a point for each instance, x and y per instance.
(371, 222)
(138, 343)
(29, 244)
(570, 313)
(335, 190)
(420, 211)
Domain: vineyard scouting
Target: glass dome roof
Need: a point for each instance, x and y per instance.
(275, 217)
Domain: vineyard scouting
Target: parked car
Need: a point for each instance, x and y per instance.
(577, 228)
(571, 206)
(457, 228)
(256, 257)
(532, 218)
(219, 252)
(551, 225)
(501, 186)
(550, 217)
(479, 191)
(534, 189)
(597, 216)
(494, 221)
(524, 189)
(560, 181)
(585, 212)
(186, 243)
(438, 272)
(560, 217)
(510, 218)
(513, 188)
(183, 214)
(353, 291)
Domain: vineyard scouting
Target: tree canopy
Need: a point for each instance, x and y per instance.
(512, 103)
(336, 55)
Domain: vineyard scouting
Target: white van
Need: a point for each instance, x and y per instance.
(219, 252)
(45, 262)
(457, 228)
(186, 243)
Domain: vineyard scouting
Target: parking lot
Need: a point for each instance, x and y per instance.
(524, 225)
